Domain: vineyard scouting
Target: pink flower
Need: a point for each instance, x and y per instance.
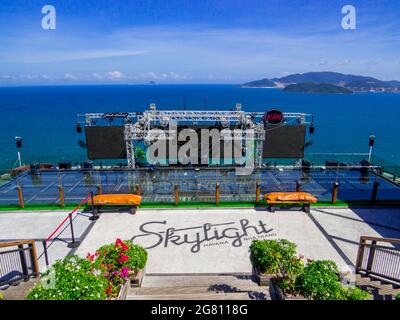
(124, 272)
(90, 257)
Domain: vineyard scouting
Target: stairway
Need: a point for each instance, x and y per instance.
(378, 289)
(199, 287)
(19, 290)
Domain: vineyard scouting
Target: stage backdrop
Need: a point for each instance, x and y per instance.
(284, 141)
(105, 142)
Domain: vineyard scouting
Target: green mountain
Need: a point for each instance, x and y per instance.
(260, 83)
(311, 87)
(349, 81)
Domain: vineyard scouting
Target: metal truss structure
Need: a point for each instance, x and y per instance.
(151, 124)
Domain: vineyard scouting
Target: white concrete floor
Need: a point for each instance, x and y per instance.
(226, 255)
(38, 225)
(324, 234)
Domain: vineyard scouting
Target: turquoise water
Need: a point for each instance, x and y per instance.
(45, 117)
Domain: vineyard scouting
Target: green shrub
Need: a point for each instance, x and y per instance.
(278, 257)
(1, 297)
(355, 294)
(398, 296)
(70, 279)
(268, 255)
(117, 261)
(320, 281)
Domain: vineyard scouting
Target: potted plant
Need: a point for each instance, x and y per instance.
(275, 259)
(320, 281)
(72, 278)
(122, 263)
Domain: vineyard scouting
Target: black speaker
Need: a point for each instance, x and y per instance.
(64, 165)
(330, 163)
(371, 141)
(88, 164)
(34, 167)
(78, 128)
(18, 142)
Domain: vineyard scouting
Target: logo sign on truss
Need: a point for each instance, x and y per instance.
(273, 117)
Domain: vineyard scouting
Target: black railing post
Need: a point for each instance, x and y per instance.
(46, 257)
(22, 257)
(73, 243)
(94, 216)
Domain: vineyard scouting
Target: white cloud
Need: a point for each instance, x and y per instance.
(151, 75)
(163, 76)
(6, 77)
(68, 76)
(45, 77)
(115, 75)
(96, 76)
(28, 76)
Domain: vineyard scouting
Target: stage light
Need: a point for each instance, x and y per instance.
(78, 128)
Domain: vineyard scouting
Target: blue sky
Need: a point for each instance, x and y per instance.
(190, 41)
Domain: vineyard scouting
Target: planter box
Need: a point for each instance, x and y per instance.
(281, 296)
(123, 292)
(263, 279)
(137, 278)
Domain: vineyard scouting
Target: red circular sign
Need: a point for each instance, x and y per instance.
(273, 117)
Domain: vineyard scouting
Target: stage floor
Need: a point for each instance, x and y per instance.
(194, 185)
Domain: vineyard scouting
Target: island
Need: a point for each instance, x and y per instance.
(326, 82)
(310, 87)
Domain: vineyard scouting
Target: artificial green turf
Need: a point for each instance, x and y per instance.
(195, 205)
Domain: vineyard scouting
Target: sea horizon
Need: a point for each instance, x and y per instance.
(46, 115)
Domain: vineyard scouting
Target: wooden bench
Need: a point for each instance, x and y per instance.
(131, 200)
(303, 199)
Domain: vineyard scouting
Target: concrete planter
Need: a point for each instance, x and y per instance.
(263, 279)
(137, 278)
(281, 296)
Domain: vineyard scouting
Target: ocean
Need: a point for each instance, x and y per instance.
(45, 117)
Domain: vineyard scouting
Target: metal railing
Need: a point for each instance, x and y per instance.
(379, 258)
(18, 261)
(74, 243)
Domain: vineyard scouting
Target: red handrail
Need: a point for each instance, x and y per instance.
(69, 214)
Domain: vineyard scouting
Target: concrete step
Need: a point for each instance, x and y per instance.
(380, 290)
(20, 290)
(195, 290)
(169, 281)
(193, 296)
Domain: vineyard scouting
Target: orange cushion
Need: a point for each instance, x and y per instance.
(290, 196)
(116, 199)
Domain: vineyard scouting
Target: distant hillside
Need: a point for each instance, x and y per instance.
(349, 81)
(311, 87)
(260, 83)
